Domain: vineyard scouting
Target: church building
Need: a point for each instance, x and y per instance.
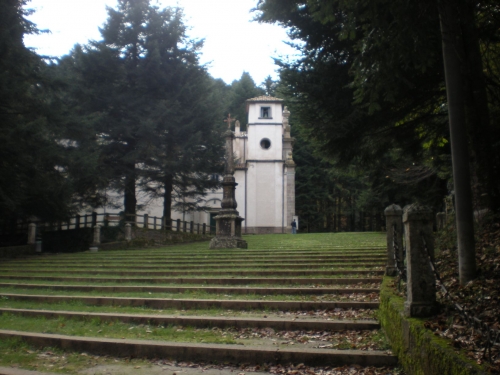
(264, 168)
(264, 172)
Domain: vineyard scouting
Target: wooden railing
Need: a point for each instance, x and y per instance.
(112, 220)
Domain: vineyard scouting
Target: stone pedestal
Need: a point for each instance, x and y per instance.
(394, 226)
(421, 283)
(228, 221)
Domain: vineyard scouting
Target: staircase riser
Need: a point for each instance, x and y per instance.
(208, 353)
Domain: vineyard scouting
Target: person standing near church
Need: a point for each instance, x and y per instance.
(294, 227)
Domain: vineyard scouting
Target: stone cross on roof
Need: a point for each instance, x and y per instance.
(229, 120)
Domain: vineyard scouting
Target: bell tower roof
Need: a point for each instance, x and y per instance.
(263, 99)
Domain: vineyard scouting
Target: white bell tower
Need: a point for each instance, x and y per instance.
(265, 171)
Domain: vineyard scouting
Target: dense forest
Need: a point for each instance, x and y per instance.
(368, 97)
(133, 111)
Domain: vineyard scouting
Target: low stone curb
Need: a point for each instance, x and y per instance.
(230, 281)
(204, 352)
(160, 303)
(177, 289)
(203, 322)
(419, 350)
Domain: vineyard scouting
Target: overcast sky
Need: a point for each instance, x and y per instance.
(233, 43)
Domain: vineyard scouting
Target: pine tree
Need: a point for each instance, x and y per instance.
(34, 172)
(150, 101)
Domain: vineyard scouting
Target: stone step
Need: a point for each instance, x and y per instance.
(188, 260)
(204, 281)
(164, 303)
(210, 262)
(55, 266)
(308, 273)
(204, 352)
(188, 252)
(207, 322)
(173, 289)
(16, 371)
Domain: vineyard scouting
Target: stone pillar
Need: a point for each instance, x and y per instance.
(421, 283)
(128, 232)
(440, 220)
(228, 221)
(32, 234)
(97, 239)
(393, 219)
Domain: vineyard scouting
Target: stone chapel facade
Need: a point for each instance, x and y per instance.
(264, 169)
(264, 172)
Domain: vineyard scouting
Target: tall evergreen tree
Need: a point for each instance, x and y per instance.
(150, 101)
(242, 90)
(37, 161)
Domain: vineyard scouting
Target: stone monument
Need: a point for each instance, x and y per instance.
(228, 221)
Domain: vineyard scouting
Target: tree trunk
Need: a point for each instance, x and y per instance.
(453, 54)
(167, 199)
(130, 200)
(479, 115)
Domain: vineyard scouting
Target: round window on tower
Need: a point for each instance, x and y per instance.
(265, 143)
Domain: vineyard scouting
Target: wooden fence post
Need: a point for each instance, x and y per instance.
(146, 221)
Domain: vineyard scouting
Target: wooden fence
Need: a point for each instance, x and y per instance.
(109, 220)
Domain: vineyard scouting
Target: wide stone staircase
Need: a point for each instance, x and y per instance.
(303, 300)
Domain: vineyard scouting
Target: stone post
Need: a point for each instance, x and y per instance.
(440, 220)
(421, 283)
(228, 221)
(393, 220)
(128, 232)
(97, 239)
(32, 234)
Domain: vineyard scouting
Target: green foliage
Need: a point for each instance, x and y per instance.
(152, 105)
(242, 90)
(40, 173)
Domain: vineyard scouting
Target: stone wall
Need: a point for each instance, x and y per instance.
(419, 351)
